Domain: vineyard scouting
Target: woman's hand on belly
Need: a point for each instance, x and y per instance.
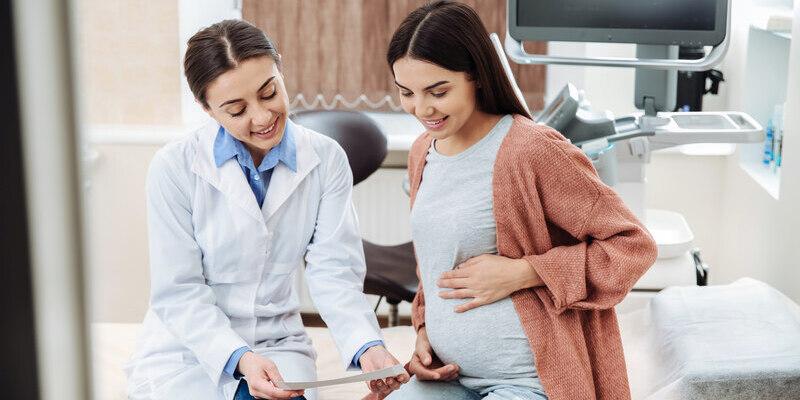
(426, 365)
(260, 374)
(486, 279)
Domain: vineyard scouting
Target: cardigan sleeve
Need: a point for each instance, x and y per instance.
(418, 307)
(415, 161)
(614, 248)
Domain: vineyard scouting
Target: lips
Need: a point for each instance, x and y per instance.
(435, 124)
(267, 132)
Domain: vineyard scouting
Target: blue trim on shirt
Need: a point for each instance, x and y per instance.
(356, 363)
(233, 361)
(226, 147)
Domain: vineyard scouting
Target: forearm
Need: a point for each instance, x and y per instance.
(526, 275)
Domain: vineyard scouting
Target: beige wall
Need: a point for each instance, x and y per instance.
(129, 74)
(117, 230)
(128, 62)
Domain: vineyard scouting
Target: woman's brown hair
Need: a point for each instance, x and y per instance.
(452, 36)
(221, 47)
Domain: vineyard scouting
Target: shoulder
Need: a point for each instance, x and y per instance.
(327, 149)
(540, 149)
(419, 149)
(528, 141)
(175, 159)
(526, 138)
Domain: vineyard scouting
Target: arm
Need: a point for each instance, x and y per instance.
(614, 248)
(335, 264)
(179, 294)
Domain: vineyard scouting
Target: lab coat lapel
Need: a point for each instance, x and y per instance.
(284, 181)
(227, 178)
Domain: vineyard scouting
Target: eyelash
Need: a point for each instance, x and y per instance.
(437, 95)
(240, 113)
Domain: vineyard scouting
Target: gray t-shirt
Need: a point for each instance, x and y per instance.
(452, 221)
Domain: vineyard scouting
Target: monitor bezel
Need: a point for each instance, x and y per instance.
(634, 36)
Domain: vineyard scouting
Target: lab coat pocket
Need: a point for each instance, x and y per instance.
(227, 270)
(278, 287)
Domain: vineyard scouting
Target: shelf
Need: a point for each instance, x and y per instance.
(767, 58)
(763, 175)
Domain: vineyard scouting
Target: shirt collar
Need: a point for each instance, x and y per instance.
(227, 147)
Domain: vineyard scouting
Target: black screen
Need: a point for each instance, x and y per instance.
(691, 15)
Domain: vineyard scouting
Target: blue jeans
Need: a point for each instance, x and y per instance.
(243, 392)
(452, 390)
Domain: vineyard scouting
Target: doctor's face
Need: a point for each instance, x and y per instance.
(443, 100)
(251, 103)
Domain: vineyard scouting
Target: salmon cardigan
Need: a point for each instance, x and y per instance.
(589, 249)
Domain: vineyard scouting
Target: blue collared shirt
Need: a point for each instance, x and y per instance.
(226, 147)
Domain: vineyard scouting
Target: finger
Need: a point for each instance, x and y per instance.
(445, 370)
(457, 294)
(453, 283)
(421, 371)
(471, 262)
(267, 390)
(403, 378)
(469, 305)
(424, 357)
(379, 385)
(275, 393)
(392, 383)
(461, 272)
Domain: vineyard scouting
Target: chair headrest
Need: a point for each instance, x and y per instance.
(362, 139)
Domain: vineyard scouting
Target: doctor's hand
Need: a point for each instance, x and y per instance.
(426, 365)
(377, 358)
(486, 279)
(260, 374)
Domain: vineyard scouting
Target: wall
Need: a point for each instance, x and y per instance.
(758, 233)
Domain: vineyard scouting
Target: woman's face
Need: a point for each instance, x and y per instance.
(443, 100)
(251, 103)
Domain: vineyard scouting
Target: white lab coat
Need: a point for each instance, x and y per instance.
(222, 269)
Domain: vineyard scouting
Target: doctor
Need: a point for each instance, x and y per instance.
(233, 210)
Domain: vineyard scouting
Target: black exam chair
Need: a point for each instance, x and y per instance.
(391, 270)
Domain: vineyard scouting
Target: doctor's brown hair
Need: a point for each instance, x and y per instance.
(452, 36)
(220, 48)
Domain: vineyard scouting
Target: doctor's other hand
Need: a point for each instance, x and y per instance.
(260, 374)
(486, 279)
(426, 365)
(377, 358)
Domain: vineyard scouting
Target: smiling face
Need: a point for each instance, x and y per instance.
(443, 100)
(251, 103)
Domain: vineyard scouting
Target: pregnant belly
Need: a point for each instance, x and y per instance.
(485, 342)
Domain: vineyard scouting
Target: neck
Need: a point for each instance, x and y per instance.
(257, 155)
(476, 128)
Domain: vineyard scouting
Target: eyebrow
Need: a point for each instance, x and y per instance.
(259, 89)
(426, 88)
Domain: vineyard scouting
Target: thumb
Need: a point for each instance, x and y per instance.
(272, 372)
(426, 358)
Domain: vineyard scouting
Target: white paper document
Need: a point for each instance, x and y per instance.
(379, 374)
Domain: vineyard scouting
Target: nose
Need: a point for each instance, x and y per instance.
(261, 117)
(422, 108)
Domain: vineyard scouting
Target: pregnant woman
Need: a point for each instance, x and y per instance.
(523, 252)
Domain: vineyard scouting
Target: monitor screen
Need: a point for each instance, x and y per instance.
(670, 22)
(691, 15)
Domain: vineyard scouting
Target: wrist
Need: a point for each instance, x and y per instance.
(241, 367)
(528, 276)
